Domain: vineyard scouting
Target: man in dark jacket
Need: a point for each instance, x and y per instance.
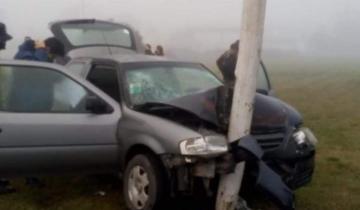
(4, 36)
(227, 63)
(56, 51)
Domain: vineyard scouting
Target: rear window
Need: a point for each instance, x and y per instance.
(84, 34)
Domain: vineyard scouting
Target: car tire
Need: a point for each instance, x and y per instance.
(144, 183)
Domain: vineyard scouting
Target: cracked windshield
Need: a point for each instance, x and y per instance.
(166, 82)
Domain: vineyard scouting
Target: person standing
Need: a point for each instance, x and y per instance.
(148, 50)
(56, 50)
(5, 186)
(227, 63)
(159, 51)
(4, 36)
(29, 50)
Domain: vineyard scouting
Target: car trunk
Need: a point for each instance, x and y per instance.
(92, 36)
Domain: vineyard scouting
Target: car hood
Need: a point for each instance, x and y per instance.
(209, 106)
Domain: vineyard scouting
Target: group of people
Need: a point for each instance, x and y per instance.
(159, 51)
(50, 50)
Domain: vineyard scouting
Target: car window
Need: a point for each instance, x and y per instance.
(39, 90)
(77, 68)
(84, 34)
(106, 79)
(164, 82)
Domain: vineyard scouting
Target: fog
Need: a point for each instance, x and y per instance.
(202, 29)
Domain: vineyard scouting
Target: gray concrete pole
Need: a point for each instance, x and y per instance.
(252, 30)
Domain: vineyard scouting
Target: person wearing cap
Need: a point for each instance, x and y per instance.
(4, 36)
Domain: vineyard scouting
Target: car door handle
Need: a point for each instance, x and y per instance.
(0, 130)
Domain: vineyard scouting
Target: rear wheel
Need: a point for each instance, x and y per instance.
(144, 183)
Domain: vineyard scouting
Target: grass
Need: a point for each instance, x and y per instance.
(327, 95)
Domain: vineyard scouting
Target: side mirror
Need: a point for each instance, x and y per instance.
(97, 106)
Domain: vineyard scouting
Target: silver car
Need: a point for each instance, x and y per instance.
(52, 121)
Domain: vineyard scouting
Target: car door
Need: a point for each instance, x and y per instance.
(45, 126)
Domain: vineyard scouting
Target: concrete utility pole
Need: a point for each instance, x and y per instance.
(252, 30)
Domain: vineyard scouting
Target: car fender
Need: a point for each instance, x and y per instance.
(141, 140)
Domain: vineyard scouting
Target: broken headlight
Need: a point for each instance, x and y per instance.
(305, 136)
(204, 146)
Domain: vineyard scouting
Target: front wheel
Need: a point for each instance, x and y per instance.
(144, 183)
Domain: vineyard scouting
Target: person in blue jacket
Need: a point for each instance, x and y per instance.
(27, 51)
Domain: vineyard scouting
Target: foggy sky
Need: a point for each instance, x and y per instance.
(197, 27)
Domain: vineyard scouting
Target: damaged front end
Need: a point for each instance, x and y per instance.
(268, 152)
(192, 174)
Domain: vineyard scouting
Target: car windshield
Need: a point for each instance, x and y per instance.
(161, 82)
(83, 34)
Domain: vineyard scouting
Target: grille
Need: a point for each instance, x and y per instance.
(269, 139)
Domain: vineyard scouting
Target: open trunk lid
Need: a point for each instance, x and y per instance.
(91, 33)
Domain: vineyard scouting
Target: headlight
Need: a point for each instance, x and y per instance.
(300, 137)
(310, 136)
(204, 146)
(305, 136)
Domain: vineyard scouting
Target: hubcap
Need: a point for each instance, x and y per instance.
(138, 187)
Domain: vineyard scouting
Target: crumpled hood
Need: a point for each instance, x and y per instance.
(268, 111)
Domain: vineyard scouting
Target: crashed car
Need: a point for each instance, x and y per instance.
(189, 95)
(279, 139)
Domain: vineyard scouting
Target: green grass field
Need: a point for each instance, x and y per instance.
(326, 94)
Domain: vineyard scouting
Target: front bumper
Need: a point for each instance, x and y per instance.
(186, 172)
(293, 163)
(295, 173)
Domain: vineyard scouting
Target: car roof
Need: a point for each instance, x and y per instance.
(32, 63)
(45, 65)
(135, 58)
